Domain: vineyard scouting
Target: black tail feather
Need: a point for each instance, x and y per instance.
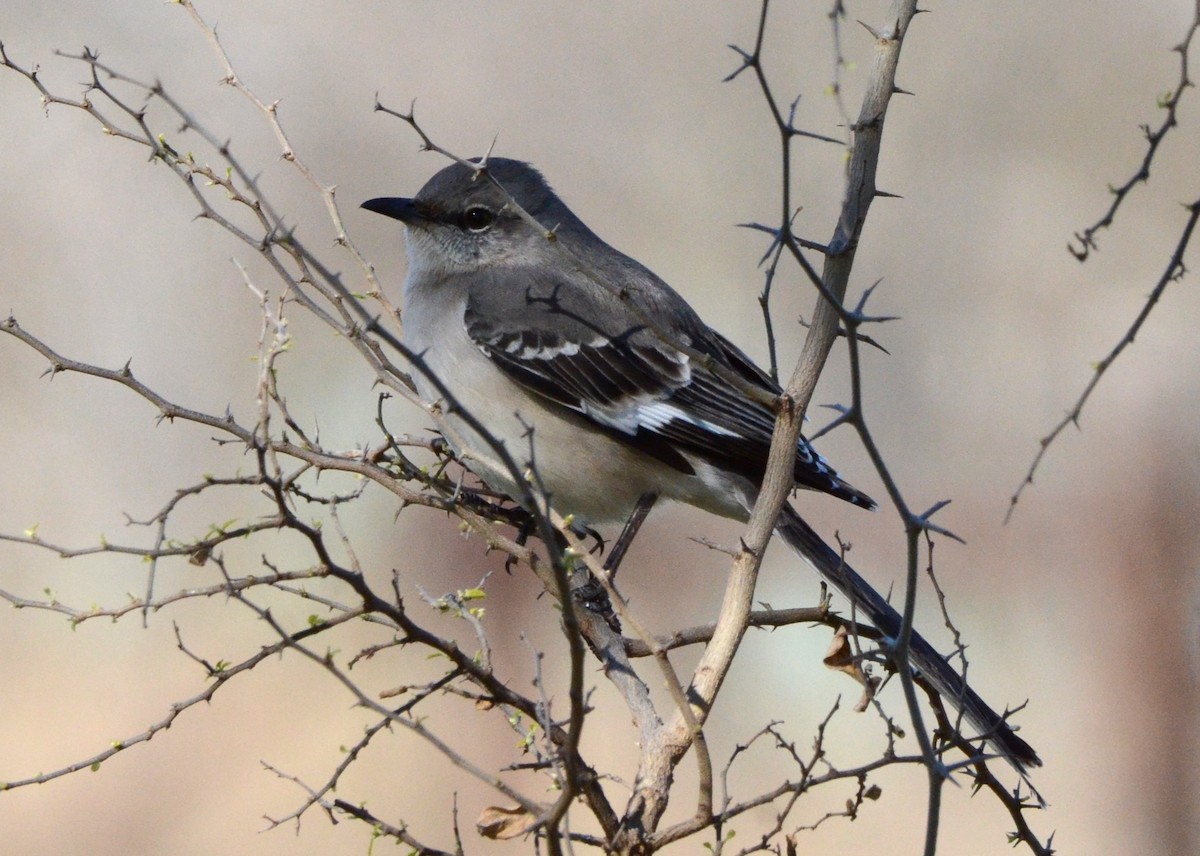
(923, 657)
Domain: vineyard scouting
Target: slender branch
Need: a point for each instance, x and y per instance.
(1173, 272)
(220, 675)
(1086, 239)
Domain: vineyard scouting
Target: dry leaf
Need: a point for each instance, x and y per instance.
(501, 824)
(840, 657)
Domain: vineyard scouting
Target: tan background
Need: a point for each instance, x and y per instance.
(1086, 603)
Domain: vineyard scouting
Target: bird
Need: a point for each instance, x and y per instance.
(592, 371)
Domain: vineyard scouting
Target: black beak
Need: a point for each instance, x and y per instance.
(404, 210)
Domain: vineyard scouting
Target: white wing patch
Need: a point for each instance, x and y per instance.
(634, 411)
(657, 414)
(522, 351)
(653, 415)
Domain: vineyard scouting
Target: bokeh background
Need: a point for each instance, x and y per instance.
(1086, 603)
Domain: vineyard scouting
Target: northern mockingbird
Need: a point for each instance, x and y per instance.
(587, 366)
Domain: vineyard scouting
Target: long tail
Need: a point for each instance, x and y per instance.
(809, 546)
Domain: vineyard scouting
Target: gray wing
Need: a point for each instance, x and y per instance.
(580, 345)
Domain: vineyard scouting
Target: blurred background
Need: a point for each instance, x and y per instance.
(1086, 603)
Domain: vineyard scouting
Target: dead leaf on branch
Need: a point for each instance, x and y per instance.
(501, 824)
(840, 657)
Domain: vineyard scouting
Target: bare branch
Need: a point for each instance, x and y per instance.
(1173, 272)
(1086, 239)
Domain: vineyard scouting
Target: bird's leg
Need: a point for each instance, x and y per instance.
(525, 528)
(589, 593)
(632, 525)
(601, 544)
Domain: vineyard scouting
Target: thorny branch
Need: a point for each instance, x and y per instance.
(832, 318)
(1169, 103)
(1174, 270)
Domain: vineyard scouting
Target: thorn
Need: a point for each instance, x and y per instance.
(746, 548)
(896, 90)
(862, 304)
(748, 61)
(871, 30)
(887, 195)
(743, 54)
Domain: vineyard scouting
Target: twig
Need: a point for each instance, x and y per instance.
(1173, 272)
(1086, 239)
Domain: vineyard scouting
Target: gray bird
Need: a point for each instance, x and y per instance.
(583, 363)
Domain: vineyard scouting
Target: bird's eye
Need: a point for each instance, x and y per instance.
(477, 218)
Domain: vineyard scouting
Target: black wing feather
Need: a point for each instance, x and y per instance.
(633, 385)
